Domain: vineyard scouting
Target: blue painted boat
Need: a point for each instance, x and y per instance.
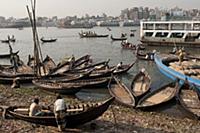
(171, 73)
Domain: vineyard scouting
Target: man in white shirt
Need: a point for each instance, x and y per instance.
(59, 111)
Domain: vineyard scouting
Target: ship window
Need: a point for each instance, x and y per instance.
(177, 35)
(148, 34)
(161, 34)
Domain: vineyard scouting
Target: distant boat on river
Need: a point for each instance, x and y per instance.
(91, 34)
(48, 40)
(118, 39)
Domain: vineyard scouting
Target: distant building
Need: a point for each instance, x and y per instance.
(134, 13)
(108, 23)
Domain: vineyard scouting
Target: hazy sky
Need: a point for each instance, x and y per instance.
(62, 8)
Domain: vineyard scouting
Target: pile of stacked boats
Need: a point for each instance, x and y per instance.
(68, 77)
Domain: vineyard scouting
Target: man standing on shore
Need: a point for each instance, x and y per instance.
(60, 111)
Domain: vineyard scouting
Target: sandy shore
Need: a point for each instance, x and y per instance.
(117, 118)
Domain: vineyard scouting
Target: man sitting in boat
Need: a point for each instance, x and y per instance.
(123, 35)
(59, 111)
(119, 66)
(150, 55)
(127, 44)
(35, 108)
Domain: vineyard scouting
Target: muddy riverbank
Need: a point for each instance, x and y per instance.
(116, 119)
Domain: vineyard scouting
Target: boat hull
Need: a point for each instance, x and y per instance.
(172, 74)
(74, 118)
(169, 43)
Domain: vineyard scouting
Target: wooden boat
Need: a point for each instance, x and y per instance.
(132, 35)
(105, 72)
(93, 35)
(125, 68)
(45, 67)
(25, 74)
(8, 55)
(5, 41)
(7, 78)
(98, 65)
(159, 96)
(81, 60)
(60, 69)
(133, 30)
(91, 83)
(75, 114)
(68, 66)
(121, 93)
(130, 46)
(48, 40)
(57, 87)
(118, 39)
(145, 57)
(70, 87)
(108, 28)
(101, 73)
(163, 66)
(22, 70)
(31, 61)
(49, 63)
(22, 79)
(140, 84)
(189, 100)
(66, 77)
(193, 57)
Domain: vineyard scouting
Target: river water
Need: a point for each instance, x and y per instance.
(101, 49)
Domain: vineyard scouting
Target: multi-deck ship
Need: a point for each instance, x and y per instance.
(174, 33)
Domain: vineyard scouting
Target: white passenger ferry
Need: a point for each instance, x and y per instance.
(179, 33)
